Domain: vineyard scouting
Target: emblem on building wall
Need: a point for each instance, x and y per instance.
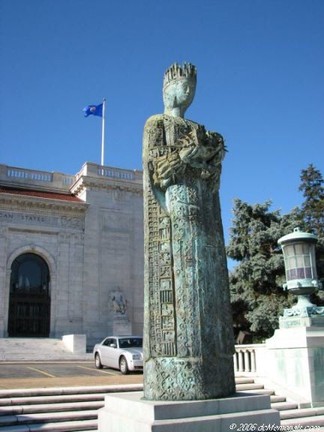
(118, 302)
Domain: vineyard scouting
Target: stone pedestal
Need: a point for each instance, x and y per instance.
(121, 326)
(295, 359)
(129, 412)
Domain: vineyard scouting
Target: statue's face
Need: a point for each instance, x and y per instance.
(179, 94)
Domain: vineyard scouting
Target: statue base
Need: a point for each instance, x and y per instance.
(130, 412)
(295, 358)
(300, 321)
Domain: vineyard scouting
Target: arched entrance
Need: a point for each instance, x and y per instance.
(29, 301)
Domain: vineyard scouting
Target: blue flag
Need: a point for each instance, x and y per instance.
(93, 110)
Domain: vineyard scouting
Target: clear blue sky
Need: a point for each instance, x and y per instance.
(260, 84)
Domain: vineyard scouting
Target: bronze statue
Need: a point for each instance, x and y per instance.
(188, 337)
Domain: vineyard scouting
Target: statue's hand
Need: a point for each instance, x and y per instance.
(165, 167)
(190, 144)
(203, 149)
(188, 153)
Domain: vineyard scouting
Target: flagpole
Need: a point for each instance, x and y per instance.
(103, 133)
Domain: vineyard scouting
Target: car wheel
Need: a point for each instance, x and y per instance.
(98, 363)
(123, 366)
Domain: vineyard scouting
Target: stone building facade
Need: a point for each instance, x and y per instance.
(71, 252)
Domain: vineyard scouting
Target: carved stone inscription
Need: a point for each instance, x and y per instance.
(34, 219)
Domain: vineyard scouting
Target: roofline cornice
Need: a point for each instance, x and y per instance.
(41, 203)
(97, 183)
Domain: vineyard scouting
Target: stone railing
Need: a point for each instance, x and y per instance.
(247, 358)
(35, 178)
(58, 181)
(21, 173)
(116, 173)
(95, 170)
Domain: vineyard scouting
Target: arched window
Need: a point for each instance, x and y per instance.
(29, 304)
(29, 273)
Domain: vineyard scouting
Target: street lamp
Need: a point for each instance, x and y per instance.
(299, 255)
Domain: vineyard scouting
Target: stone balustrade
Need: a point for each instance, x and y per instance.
(245, 358)
(117, 173)
(58, 181)
(29, 174)
(35, 178)
(96, 170)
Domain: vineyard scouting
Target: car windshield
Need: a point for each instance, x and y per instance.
(130, 343)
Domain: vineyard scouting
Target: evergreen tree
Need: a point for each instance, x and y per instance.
(256, 282)
(312, 209)
(312, 213)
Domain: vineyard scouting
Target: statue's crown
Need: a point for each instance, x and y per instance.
(177, 72)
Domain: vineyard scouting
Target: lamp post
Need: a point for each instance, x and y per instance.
(299, 255)
(294, 355)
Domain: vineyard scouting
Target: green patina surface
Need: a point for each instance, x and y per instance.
(188, 340)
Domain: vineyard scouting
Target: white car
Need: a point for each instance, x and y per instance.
(120, 352)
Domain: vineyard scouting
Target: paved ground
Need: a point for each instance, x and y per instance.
(15, 375)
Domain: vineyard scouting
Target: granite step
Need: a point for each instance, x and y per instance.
(47, 407)
(249, 386)
(46, 418)
(38, 349)
(275, 398)
(244, 380)
(54, 409)
(76, 408)
(63, 391)
(38, 400)
(70, 426)
(303, 412)
(263, 391)
(305, 422)
(284, 406)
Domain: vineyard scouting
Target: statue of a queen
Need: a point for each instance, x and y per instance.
(188, 335)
